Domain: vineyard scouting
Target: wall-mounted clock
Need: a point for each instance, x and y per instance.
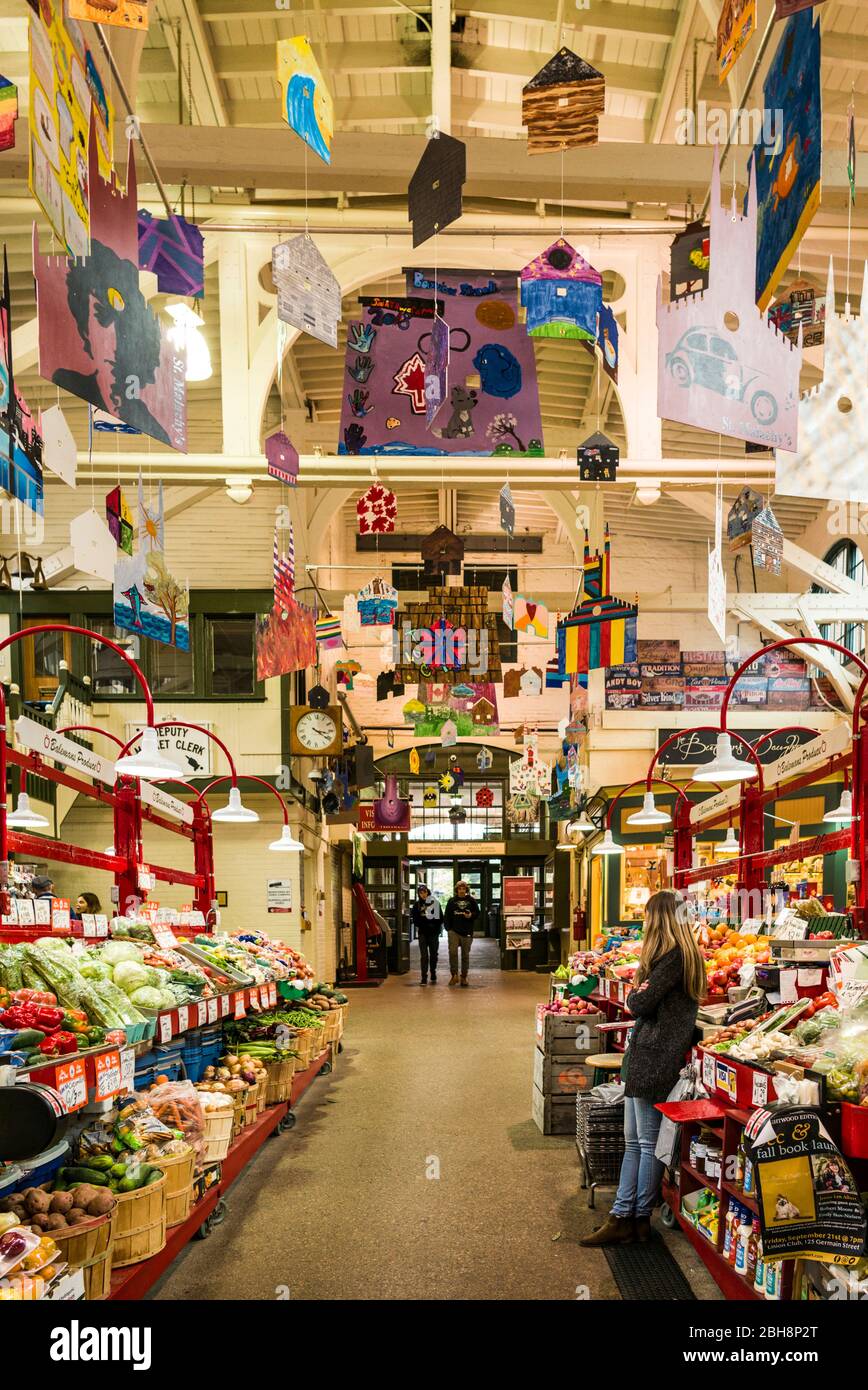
(316, 733)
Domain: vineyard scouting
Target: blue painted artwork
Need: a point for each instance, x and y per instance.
(562, 294)
(607, 341)
(307, 103)
(499, 371)
(148, 601)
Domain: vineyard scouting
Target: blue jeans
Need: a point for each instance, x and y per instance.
(640, 1170)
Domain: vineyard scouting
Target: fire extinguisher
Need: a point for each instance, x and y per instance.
(578, 923)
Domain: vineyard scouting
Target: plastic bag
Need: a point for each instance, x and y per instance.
(668, 1136)
(177, 1105)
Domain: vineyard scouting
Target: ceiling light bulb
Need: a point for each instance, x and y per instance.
(724, 766)
(233, 812)
(650, 813)
(287, 842)
(608, 845)
(149, 762)
(23, 818)
(186, 334)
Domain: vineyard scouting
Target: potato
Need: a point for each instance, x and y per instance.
(76, 1216)
(40, 1221)
(101, 1204)
(61, 1202)
(55, 1222)
(36, 1201)
(83, 1194)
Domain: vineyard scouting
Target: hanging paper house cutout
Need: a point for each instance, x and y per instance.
(436, 369)
(282, 458)
(562, 294)
(59, 453)
(126, 14)
(507, 510)
(93, 547)
(286, 637)
(449, 737)
(328, 632)
(306, 102)
(741, 516)
(308, 294)
(450, 637)
(561, 106)
(121, 359)
(689, 260)
(119, 519)
(442, 553)
(346, 672)
(431, 794)
(833, 419)
(377, 511)
(601, 630)
(20, 439)
(152, 526)
(522, 809)
(531, 681)
(512, 682)
(483, 713)
(767, 542)
(721, 365)
(149, 601)
(413, 711)
(434, 195)
(492, 402)
(508, 603)
(174, 250)
(71, 124)
(788, 173)
(598, 459)
(484, 798)
(318, 697)
(484, 759)
(377, 602)
(530, 617)
(736, 25)
(8, 113)
(607, 342)
(800, 314)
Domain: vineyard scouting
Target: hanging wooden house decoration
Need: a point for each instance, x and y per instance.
(767, 541)
(282, 458)
(562, 294)
(561, 106)
(376, 602)
(308, 295)
(442, 553)
(598, 459)
(522, 808)
(484, 759)
(601, 629)
(741, 517)
(434, 195)
(377, 511)
(689, 260)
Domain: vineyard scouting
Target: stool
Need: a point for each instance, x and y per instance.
(605, 1064)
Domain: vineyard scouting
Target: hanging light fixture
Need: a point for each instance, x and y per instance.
(149, 762)
(287, 842)
(650, 813)
(234, 812)
(581, 824)
(23, 818)
(186, 334)
(842, 814)
(725, 766)
(607, 845)
(728, 847)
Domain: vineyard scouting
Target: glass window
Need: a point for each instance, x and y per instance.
(847, 559)
(110, 674)
(232, 661)
(171, 670)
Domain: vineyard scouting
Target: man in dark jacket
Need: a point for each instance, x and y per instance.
(427, 918)
(462, 914)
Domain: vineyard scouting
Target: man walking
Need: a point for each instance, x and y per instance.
(462, 914)
(428, 920)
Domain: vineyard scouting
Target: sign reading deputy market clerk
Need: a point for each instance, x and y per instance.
(58, 749)
(186, 747)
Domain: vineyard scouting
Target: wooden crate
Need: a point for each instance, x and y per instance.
(556, 1032)
(561, 1075)
(554, 1114)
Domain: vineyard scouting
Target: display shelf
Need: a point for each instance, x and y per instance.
(737, 1195)
(731, 1284)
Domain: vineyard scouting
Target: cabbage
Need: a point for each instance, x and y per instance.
(53, 943)
(115, 951)
(167, 999)
(147, 998)
(130, 975)
(95, 970)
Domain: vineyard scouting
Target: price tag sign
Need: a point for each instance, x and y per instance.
(240, 1006)
(128, 1069)
(224, 1005)
(165, 937)
(201, 1014)
(164, 1027)
(263, 996)
(727, 1081)
(708, 1070)
(852, 994)
(88, 924)
(108, 1075)
(70, 1082)
(183, 1018)
(272, 994)
(760, 1092)
(212, 1010)
(101, 921)
(60, 914)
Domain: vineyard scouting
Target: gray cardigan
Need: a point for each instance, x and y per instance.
(663, 1032)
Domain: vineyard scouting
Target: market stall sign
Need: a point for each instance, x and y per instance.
(807, 756)
(70, 1082)
(714, 805)
(518, 892)
(108, 1074)
(695, 746)
(58, 749)
(162, 801)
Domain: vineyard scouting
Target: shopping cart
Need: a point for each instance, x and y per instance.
(600, 1142)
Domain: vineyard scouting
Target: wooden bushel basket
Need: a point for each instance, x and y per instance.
(279, 1085)
(179, 1169)
(88, 1247)
(218, 1134)
(140, 1224)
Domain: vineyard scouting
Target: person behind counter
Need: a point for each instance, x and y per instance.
(86, 904)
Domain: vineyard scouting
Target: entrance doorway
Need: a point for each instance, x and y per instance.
(482, 876)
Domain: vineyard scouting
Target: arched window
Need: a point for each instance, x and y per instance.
(846, 557)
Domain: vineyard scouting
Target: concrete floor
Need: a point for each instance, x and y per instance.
(415, 1170)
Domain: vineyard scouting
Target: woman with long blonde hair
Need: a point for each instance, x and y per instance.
(666, 991)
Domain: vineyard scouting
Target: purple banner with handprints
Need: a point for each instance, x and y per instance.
(174, 252)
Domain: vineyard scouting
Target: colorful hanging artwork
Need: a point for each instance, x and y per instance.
(149, 601)
(449, 736)
(70, 127)
(328, 632)
(491, 405)
(562, 294)
(118, 355)
(508, 603)
(522, 809)
(484, 759)
(376, 511)
(784, 8)
(507, 510)
(531, 681)
(346, 672)
(286, 637)
(306, 102)
(308, 294)
(281, 458)
(530, 617)
(152, 526)
(391, 811)
(736, 25)
(832, 416)
(767, 542)
(377, 602)
(800, 314)
(484, 798)
(434, 195)
(173, 250)
(607, 342)
(414, 762)
(721, 365)
(21, 445)
(598, 458)
(126, 14)
(741, 516)
(561, 106)
(431, 794)
(59, 453)
(119, 519)
(788, 172)
(8, 113)
(601, 630)
(442, 553)
(689, 261)
(436, 368)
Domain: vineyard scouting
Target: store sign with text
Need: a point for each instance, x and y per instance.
(55, 747)
(693, 746)
(165, 804)
(186, 747)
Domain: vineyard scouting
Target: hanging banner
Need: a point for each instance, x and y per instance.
(63, 750)
(161, 801)
(735, 27)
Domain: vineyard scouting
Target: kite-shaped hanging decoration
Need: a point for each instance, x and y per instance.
(833, 416)
(308, 294)
(377, 601)
(436, 366)
(119, 519)
(601, 629)
(561, 106)
(174, 250)
(8, 113)
(598, 459)
(59, 453)
(306, 102)
(376, 511)
(741, 517)
(20, 440)
(767, 542)
(434, 195)
(721, 365)
(507, 510)
(282, 458)
(689, 260)
(562, 294)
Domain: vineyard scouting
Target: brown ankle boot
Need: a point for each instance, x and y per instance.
(616, 1230)
(643, 1228)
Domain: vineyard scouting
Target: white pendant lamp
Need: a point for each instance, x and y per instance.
(581, 824)
(728, 847)
(725, 766)
(842, 813)
(607, 845)
(287, 842)
(186, 333)
(233, 812)
(23, 818)
(149, 762)
(650, 813)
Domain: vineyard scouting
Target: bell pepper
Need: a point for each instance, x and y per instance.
(34, 996)
(59, 1045)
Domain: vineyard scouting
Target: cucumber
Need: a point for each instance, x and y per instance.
(76, 1175)
(101, 1162)
(28, 1038)
(154, 1176)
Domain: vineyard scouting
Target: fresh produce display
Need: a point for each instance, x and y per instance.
(57, 1207)
(284, 962)
(239, 1071)
(570, 1008)
(121, 1150)
(726, 951)
(177, 1105)
(324, 997)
